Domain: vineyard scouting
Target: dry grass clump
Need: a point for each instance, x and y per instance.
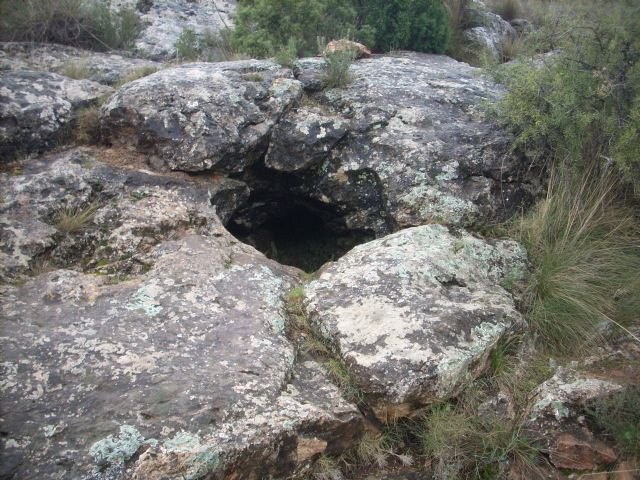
(74, 219)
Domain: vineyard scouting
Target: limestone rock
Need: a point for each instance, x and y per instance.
(414, 315)
(182, 371)
(202, 116)
(485, 33)
(164, 21)
(106, 68)
(37, 107)
(418, 148)
(127, 213)
(359, 50)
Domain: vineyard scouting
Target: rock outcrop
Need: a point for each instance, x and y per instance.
(164, 21)
(202, 116)
(106, 68)
(485, 34)
(37, 108)
(177, 370)
(414, 315)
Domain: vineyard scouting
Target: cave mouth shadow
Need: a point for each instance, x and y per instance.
(298, 232)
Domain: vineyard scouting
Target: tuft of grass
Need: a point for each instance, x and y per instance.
(584, 248)
(87, 129)
(337, 67)
(135, 74)
(76, 69)
(345, 381)
(464, 445)
(325, 468)
(83, 23)
(74, 219)
(619, 417)
(286, 56)
(253, 77)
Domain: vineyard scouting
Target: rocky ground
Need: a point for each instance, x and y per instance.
(156, 319)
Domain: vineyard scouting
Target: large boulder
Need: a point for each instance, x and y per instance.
(418, 146)
(177, 370)
(202, 116)
(37, 108)
(413, 316)
(485, 34)
(106, 68)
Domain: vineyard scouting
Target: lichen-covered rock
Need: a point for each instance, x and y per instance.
(69, 210)
(106, 68)
(202, 116)
(303, 139)
(419, 147)
(414, 315)
(164, 21)
(36, 107)
(182, 372)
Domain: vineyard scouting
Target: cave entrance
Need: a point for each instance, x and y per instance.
(294, 231)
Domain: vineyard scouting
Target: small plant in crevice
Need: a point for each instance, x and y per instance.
(187, 47)
(618, 416)
(74, 219)
(87, 129)
(344, 379)
(287, 55)
(135, 74)
(76, 69)
(337, 67)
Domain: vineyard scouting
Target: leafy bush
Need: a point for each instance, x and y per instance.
(582, 105)
(337, 68)
(584, 248)
(87, 24)
(265, 26)
(420, 25)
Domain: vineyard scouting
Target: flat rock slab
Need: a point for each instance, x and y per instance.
(36, 107)
(202, 116)
(105, 68)
(414, 315)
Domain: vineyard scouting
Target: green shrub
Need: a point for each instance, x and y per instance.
(88, 24)
(420, 25)
(582, 105)
(263, 27)
(584, 249)
(210, 46)
(337, 68)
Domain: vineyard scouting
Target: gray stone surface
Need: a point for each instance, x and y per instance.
(36, 107)
(485, 33)
(165, 20)
(414, 315)
(130, 211)
(105, 68)
(419, 147)
(201, 116)
(179, 370)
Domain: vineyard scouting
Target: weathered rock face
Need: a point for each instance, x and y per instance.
(179, 370)
(485, 33)
(68, 210)
(414, 315)
(202, 116)
(36, 107)
(165, 20)
(105, 68)
(418, 146)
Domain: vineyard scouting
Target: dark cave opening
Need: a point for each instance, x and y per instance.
(294, 231)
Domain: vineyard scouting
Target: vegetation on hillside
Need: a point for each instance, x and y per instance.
(263, 27)
(89, 24)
